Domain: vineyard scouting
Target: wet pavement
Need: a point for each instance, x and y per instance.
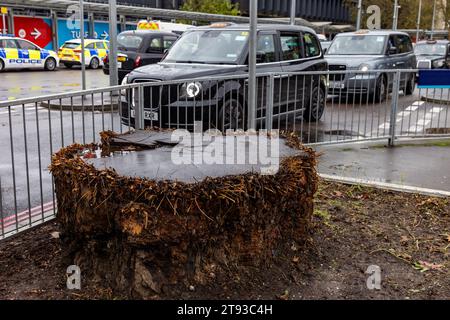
(422, 164)
(19, 84)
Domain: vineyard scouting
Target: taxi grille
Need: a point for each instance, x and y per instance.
(424, 64)
(337, 77)
(156, 96)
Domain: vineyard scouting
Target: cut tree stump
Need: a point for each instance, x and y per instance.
(140, 224)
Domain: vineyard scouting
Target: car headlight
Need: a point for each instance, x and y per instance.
(364, 67)
(192, 89)
(438, 63)
(124, 82)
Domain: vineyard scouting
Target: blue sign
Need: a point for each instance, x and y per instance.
(434, 79)
(65, 33)
(101, 30)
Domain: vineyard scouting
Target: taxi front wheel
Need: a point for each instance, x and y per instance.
(2, 65)
(50, 64)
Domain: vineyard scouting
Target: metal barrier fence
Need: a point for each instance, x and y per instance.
(321, 107)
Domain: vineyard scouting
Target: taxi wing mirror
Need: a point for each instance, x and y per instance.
(392, 50)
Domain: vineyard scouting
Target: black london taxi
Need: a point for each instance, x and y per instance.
(221, 50)
(138, 48)
(433, 54)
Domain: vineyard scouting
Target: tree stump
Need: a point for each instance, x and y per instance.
(140, 230)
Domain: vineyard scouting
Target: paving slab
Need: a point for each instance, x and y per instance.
(420, 164)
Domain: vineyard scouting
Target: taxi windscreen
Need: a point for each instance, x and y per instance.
(431, 49)
(357, 45)
(209, 46)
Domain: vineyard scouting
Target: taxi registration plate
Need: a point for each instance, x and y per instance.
(148, 115)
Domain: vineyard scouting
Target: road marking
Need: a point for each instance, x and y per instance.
(426, 120)
(403, 114)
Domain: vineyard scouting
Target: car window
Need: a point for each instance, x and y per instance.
(391, 44)
(155, 45)
(129, 42)
(90, 46)
(70, 45)
(10, 44)
(266, 45)
(404, 44)
(209, 46)
(168, 42)
(312, 46)
(25, 45)
(290, 46)
(100, 45)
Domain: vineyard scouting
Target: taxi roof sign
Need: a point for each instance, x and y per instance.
(4, 10)
(221, 24)
(148, 25)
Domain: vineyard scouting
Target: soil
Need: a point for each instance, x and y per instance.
(407, 236)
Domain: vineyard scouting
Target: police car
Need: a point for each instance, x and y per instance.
(94, 52)
(18, 53)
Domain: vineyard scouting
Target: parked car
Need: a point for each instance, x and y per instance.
(368, 51)
(94, 52)
(325, 45)
(139, 48)
(433, 54)
(18, 53)
(221, 50)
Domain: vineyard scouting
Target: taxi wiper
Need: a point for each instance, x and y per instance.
(189, 61)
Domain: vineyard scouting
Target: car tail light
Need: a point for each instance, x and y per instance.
(77, 51)
(138, 62)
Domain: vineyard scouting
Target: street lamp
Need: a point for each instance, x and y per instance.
(358, 19)
(418, 21)
(395, 22)
(83, 67)
(434, 17)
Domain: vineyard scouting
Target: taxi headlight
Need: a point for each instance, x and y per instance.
(123, 92)
(364, 67)
(438, 63)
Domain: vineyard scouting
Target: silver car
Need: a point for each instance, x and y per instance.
(371, 52)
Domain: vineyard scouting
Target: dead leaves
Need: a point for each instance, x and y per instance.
(424, 266)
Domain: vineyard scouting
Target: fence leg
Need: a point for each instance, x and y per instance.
(139, 111)
(394, 106)
(269, 102)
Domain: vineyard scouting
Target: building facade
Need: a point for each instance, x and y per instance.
(314, 10)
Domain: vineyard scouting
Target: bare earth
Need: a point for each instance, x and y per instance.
(407, 236)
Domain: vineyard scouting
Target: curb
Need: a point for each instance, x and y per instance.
(386, 186)
(77, 105)
(435, 101)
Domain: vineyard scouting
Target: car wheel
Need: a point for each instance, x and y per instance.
(410, 86)
(50, 64)
(94, 64)
(2, 65)
(68, 65)
(231, 116)
(380, 90)
(316, 108)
